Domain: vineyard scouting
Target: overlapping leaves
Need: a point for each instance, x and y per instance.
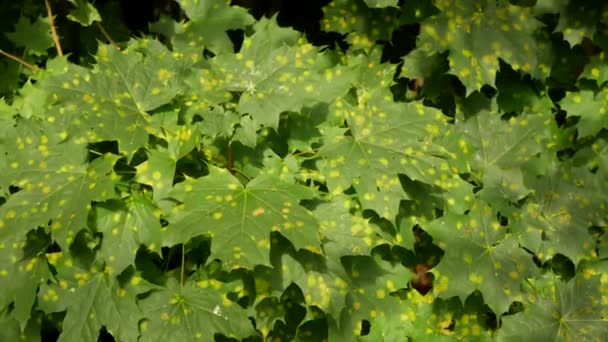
(498, 183)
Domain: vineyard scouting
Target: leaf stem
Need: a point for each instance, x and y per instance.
(230, 162)
(53, 30)
(19, 60)
(105, 34)
(181, 277)
(241, 173)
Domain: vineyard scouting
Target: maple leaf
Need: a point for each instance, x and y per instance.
(345, 233)
(20, 276)
(570, 311)
(125, 226)
(557, 218)
(209, 21)
(275, 71)
(112, 101)
(83, 13)
(193, 312)
(596, 69)
(385, 139)
(372, 283)
(479, 255)
(590, 106)
(497, 150)
(465, 27)
(240, 218)
(12, 331)
(95, 301)
(367, 21)
(34, 36)
(54, 191)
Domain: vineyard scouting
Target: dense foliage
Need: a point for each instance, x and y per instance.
(345, 170)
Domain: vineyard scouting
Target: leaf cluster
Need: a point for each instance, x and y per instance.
(400, 170)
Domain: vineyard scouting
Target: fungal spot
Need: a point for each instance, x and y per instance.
(257, 212)
(136, 280)
(11, 214)
(476, 278)
(164, 74)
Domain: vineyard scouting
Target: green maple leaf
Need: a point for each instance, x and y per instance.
(381, 3)
(239, 219)
(34, 36)
(596, 69)
(125, 226)
(12, 331)
(323, 289)
(384, 139)
(301, 129)
(20, 276)
(10, 78)
(275, 71)
(477, 34)
(209, 21)
(590, 106)
(578, 21)
(95, 301)
(570, 312)
(367, 21)
(56, 183)
(556, 219)
(515, 93)
(345, 233)
(111, 102)
(31, 101)
(83, 12)
(550, 6)
(370, 296)
(424, 318)
(479, 255)
(193, 312)
(158, 172)
(497, 150)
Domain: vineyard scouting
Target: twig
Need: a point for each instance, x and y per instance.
(181, 276)
(105, 34)
(230, 162)
(20, 61)
(53, 31)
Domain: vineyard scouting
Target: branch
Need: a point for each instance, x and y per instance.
(53, 31)
(19, 60)
(105, 34)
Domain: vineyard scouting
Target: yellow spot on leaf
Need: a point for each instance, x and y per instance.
(257, 212)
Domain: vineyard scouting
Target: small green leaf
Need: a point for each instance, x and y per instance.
(590, 106)
(209, 21)
(83, 12)
(126, 226)
(381, 3)
(34, 36)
